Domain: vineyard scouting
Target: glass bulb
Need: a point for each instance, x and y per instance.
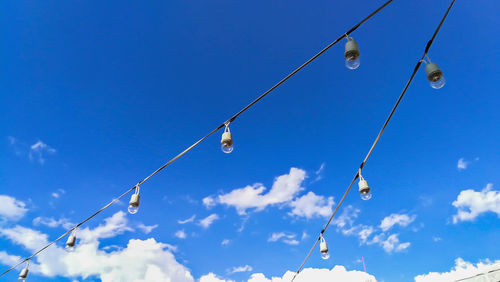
(439, 83)
(352, 63)
(366, 196)
(69, 248)
(325, 255)
(133, 209)
(227, 149)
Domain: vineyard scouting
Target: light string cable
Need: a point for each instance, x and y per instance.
(226, 123)
(358, 172)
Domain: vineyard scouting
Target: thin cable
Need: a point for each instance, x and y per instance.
(206, 136)
(378, 137)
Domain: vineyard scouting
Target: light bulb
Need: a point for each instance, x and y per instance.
(364, 190)
(435, 76)
(133, 206)
(439, 83)
(226, 142)
(226, 148)
(323, 248)
(351, 54)
(352, 64)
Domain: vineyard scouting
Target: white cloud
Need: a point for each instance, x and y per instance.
(115, 225)
(436, 239)
(225, 242)
(338, 273)
(284, 189)
(312, 205)
(140, 260)
(51, 222)
(390, 243)
(38, 151)
(402, 220)
(207, 221)
(461, 270)
(210, 277)
(462, 164)
(209, 202)
(319, 173)
(246, 268)
(11, 209)
(287, 238)
(147, 228)
(470, 204)
(191, 219)
(180, 234)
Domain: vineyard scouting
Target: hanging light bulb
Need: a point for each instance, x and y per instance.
(323, 248)
(133, 205)
(434, 74)
(24, 272)
(226, 141)
(351, 54)
(364, 189)
(70, 243)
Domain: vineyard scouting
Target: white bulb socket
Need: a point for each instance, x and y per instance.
(351, 50)
(24, 273)
(134, 200)
(70, 243)
(363, 187)
(433, 72)
(323, 248)
(227, 139)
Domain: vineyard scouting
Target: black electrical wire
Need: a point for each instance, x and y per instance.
(378, 137)
(206, 136)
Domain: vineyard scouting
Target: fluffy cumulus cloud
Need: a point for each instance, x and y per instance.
(338, 273)
(11, 209)
(284, 189)
(312, 205)
(402, 220)
(470, 203)
(374, 235)
(463, 270)
(140, 260)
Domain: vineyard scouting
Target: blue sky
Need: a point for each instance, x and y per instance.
(96, 95)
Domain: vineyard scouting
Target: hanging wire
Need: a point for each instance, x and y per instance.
(358, 173)
(225, 124)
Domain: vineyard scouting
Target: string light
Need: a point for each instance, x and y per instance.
(24, 272)
(351, 54)
(364, 189)
(133, 205)
(70, 243)
(434, 74)
(323, 248)
(226, 142)
(363, 185)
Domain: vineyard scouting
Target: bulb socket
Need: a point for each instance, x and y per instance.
(134, 200)
(363, 187)
(24, 273)
(351, 50)
(71, 241)
(227, 139)
(433, 72)
(323, 248)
